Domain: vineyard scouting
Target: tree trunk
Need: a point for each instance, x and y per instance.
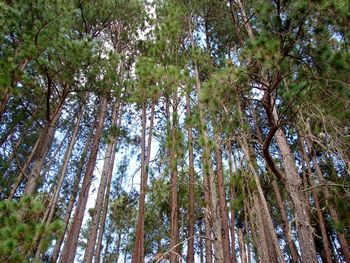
(342, 239)
(107, 168)
(70, 246)
(325, 241)
(106, 201)
(46, 138)
(61, 175)
(174, 232)
(249, 156)
(242, 246)
(190, 243)
(285, 224)
(72, 198)
(138, 253)
(222, 203)
(232, 197)
(23, 170)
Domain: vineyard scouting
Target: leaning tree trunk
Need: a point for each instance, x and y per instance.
(45, 140)
(107, 167)
(342, 239)
(71, 243)
(325, 241)
(61, 175)
(72, 197)
(106, 200)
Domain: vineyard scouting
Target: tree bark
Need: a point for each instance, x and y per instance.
(342, 239)
(70, 246)
(190, 243)
(174, 231)
(242, 246)
(106, 201)
(138, 253)
(325, 241)
(72, 197)
(61, 175)
(222, 203)
(107, 168)
(45, 141)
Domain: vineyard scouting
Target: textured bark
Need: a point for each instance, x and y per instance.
(60, 178)
(294, 187)
(232, 197)
(285, 224)
(222, 203)
(45, 141)
(22, 173)
(107, 168)
(106, 202)
(138, 253)
(242, 246)
(190, 243)
(325, 241)
(174, 231)
(72, 197)
(250, 158)
(342, 239)
(71, 243)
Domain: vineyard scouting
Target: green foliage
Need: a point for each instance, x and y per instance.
(19, 224)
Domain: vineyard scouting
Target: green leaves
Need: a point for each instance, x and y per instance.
(19, 224)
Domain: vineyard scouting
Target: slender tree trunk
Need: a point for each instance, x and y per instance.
(190, 243)
(72, 198)
(174, 232)
(242, 246)
(285, 224)
(342, 239)
(106, 200)
(46, 138)
(23, 170)
(71, 243)
(325, 242)
(61, 175)
(107, 168)
(222, 203)
(232, 197)
(138, 253)
(249, 156)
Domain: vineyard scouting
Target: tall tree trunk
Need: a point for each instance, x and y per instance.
(174, 232)
(61, 175)
(46, 138)
(106, 200)
(138, 253)
(107, 168)
(250, 157)
(71, 243)
(23, 170)
(190, 243)
(232, 197)
(222, 203)
(325, 241)
(342, 239)
(242, 246)
(72, 197)
(285, 224)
